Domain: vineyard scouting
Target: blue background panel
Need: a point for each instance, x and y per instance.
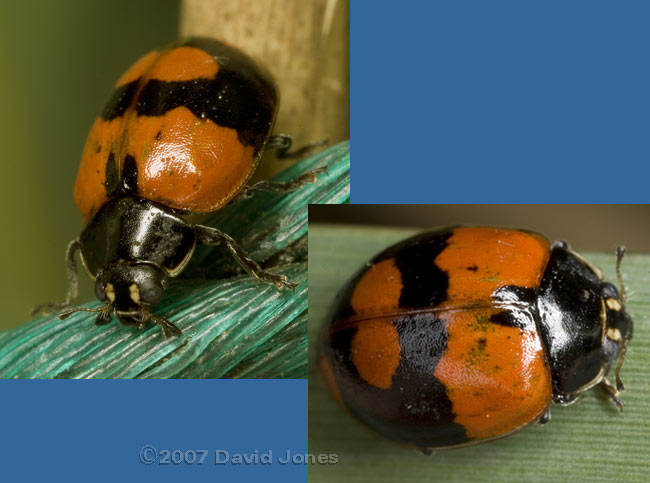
(96, 430)
(502, 101)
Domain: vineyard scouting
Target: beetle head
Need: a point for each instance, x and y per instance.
(128, 289)
(618, 324)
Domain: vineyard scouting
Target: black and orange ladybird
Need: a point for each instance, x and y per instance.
(466, 334)
(182, 133)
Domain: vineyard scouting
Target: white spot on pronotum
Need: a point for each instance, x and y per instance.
(110, 292)
(614, 334)
(134, 292)
(613, 304)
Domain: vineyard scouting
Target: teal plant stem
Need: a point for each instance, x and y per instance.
(233, 325)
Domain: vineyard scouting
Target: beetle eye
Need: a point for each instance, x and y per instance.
(609, 291)
(151, 292)
(100, 291)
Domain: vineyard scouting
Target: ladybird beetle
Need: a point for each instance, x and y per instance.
(466, 334)
(182, 133)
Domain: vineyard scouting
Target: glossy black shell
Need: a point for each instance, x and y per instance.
(134, 229)
(573, 320)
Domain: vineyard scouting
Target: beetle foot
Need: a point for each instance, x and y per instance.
(309, 177)
(283, 142)
(73, 284)
(280, 281)
(104, 317)
(545, 417)
(612, 393)
(169, 329)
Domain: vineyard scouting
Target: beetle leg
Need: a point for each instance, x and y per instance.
(545, 417)
(169, 329)
(73, 282)
(280, 187)
(104, 317)
(211, 236)
(611, 392)
(282, 142)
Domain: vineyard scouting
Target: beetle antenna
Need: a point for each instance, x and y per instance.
(620, 252)
(67, 313)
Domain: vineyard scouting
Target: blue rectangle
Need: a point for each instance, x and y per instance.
(153, 430)
(501, 101)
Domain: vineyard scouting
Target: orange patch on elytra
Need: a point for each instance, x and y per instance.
(375, 351)
(89, 190)
(138, 69)
(379, 289)
(480, 260)
(196, 165)
(496, 377)
(183, 64)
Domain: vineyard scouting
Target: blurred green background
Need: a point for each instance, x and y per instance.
(58, 63)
